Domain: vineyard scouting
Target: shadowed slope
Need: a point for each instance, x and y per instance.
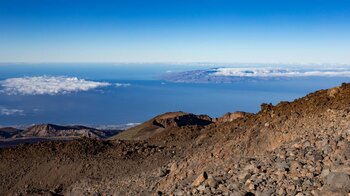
(7, 132)
(161, 123)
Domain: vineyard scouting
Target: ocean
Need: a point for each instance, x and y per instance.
(117, 94)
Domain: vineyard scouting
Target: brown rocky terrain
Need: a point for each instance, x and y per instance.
(228, 117)
(292, 148)
(161, 123)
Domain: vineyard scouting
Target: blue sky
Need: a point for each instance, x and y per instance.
(262, 31)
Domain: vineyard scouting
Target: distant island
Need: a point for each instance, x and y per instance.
(256, 73)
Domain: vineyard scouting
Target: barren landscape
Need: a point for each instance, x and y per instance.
(174, 97)
(292, 148)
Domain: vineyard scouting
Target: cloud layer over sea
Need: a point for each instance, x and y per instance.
(9, 112)
(50, 85)
(232, 74)
(280, 72)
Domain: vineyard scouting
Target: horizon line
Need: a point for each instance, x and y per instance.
(204, 63)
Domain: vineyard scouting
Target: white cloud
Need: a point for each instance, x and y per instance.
(122, 84)
(10, 112)
(48, 85)
(280, 72)
(233, 74)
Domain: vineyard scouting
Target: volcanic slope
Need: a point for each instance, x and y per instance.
(293, 148)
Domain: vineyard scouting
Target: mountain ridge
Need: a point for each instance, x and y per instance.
(52, 132)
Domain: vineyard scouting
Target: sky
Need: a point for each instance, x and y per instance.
(227, 31)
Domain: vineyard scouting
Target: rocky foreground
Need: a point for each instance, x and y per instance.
(293, 148)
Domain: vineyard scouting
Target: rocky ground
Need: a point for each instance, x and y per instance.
(293, 148)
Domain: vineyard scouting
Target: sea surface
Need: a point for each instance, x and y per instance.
(138, 93)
